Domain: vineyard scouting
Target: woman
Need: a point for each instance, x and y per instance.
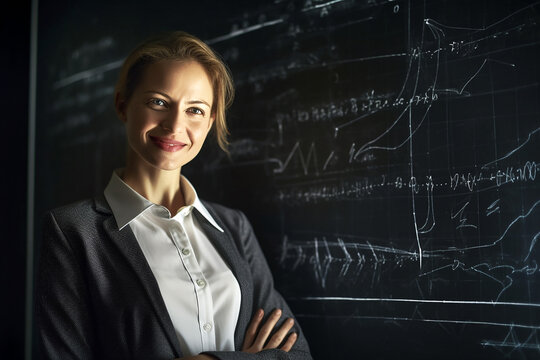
(148, 270)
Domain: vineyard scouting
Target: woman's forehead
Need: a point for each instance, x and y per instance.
(177, 76)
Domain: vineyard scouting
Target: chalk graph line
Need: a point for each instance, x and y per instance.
(511, 340)
(410, 300)
(239, 32)
(512, 223)
(366, 148)
(323, 5)
(510, 153)
(444, 321)
(86, 74)
(487, 27)
(430, 213)
(533, 243)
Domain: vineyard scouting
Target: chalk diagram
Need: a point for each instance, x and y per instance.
(472, 210)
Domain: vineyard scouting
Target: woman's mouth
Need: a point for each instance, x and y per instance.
(168, 145)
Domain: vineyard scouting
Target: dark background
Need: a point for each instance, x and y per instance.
(15, 25)
(386, 244)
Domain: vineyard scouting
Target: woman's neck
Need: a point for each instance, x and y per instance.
(161, 187)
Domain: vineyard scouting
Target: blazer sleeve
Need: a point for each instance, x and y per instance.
(265, 296)
(62, 308)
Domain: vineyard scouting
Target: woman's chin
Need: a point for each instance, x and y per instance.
(168, 167)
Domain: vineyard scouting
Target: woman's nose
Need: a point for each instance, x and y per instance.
(174, 122)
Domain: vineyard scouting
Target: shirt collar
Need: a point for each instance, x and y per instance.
(127, 204)
(192, 199)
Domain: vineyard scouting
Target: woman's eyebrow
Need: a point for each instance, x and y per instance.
(157, 92)
(191, 102)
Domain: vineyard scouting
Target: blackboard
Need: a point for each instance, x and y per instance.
(386, 153)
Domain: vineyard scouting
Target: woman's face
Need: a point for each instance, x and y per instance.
(168, 115)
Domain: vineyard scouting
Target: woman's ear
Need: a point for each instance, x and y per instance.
(211, 122)
(120, 106)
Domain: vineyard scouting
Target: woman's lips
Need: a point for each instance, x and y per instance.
(169, 145)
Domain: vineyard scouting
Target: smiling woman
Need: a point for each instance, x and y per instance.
(148, 270)
(168, 116)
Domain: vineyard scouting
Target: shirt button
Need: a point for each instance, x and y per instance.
(207, 327)
(186, 251)
(201, 283)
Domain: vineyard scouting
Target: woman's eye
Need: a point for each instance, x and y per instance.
(196, 111)
(158, 102)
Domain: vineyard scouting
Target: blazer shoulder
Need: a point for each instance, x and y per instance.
(79, 214)
(224, 215)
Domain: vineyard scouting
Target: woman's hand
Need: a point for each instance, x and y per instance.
(256, 338)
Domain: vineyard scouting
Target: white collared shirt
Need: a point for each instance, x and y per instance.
(200, 292)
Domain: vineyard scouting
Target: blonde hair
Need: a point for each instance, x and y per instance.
(179, 45)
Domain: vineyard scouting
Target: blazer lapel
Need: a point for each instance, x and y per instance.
(129, 247)
(225, 245)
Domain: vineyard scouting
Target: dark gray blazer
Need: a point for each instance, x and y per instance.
(98, 299)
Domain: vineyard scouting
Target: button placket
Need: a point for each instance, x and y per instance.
(203, 294)
(182, 243)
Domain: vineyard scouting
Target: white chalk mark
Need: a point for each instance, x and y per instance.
(321, 269)
(304, 161)
(243, 31)
(437, 36)
(511, 340)
(514, 346)
(506, 283)
(510, 282)
(430, 214)
(493, 207)
(373, 252)
(348, 258)
(444, 321)
(318, 6)
(367, 246)
(520, 217)
(462, 218)
(366, 148)
(513, 151)
(367, 58)
(433, 23)
(284, 246)
(339, 127)
(353, 22)
(87, 74)
(328, 160)
(299, 258)
(411, 162)
(435, 30)
(462, 90)
(370, 113)
(280, 132)
(472, 77)
(482, 28)
(317, 263)
(533, 242)
(423, 301)
(361, 260)
(409, 67)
